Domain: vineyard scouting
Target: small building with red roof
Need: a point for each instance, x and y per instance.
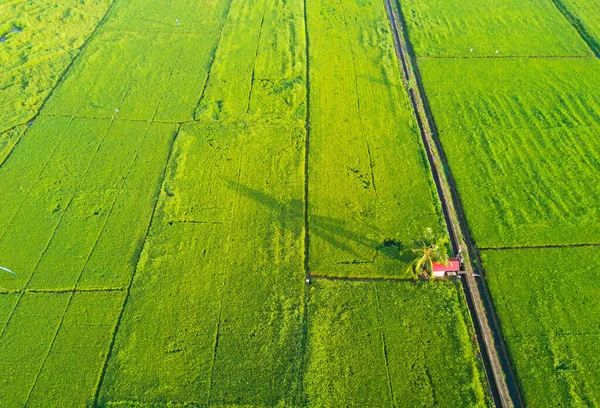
(451, 268)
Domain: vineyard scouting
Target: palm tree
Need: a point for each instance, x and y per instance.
(428, 249)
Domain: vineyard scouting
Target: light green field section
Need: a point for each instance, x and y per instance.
(215, 308)
(442, 28)
(143, 76)
(34, 59)
(8, 140)
(548, 304)
(78, 215)
(145, 16)
(583, 14)
(520, 136)
(381, 344)
(49, 336)
(259, 68)
(369, 182)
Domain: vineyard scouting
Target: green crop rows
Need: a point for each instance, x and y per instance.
(442, 28)
(550, 310)
(356, 327)
(159, 187)
(35, 55)
(506, 142)
(514, 93)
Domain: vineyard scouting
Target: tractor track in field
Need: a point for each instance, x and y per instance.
(500, 375)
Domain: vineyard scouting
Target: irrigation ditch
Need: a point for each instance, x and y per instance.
(500, 374)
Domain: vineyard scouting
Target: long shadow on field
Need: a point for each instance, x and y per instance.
(336, 232)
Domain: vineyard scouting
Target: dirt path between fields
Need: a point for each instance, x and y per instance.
(499, 372)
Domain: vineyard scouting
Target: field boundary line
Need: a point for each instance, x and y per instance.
(152, 120)
(307, 128)
(133, 275)
(549, 246)
(302, 399)
(75, 290)
(457, 57)
(499, 372)
(362, 278)
(578, 25)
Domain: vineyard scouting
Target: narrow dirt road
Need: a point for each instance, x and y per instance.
(499, 372)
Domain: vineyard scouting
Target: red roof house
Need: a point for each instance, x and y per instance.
(440, 270)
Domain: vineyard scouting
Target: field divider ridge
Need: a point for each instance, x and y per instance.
(167, 122)
(491, 57)
(133, 275)
(499, 372)
(579, 27)
(361, 279)
(548, 246)
(306, 249)
(74, 290)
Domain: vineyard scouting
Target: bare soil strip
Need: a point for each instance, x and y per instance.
(501, 378)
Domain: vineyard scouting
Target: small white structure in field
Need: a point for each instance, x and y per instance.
(440, 270)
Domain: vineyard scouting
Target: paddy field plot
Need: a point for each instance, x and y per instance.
(80, 212)
(54, 345)
(547, 301)
(477, 29)
(520, 136)
(38, 41)
(390, 344)
(370, 191)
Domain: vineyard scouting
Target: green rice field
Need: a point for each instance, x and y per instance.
(213, 203)
(160, 229)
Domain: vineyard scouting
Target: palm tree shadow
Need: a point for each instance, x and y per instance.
(338, 233)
